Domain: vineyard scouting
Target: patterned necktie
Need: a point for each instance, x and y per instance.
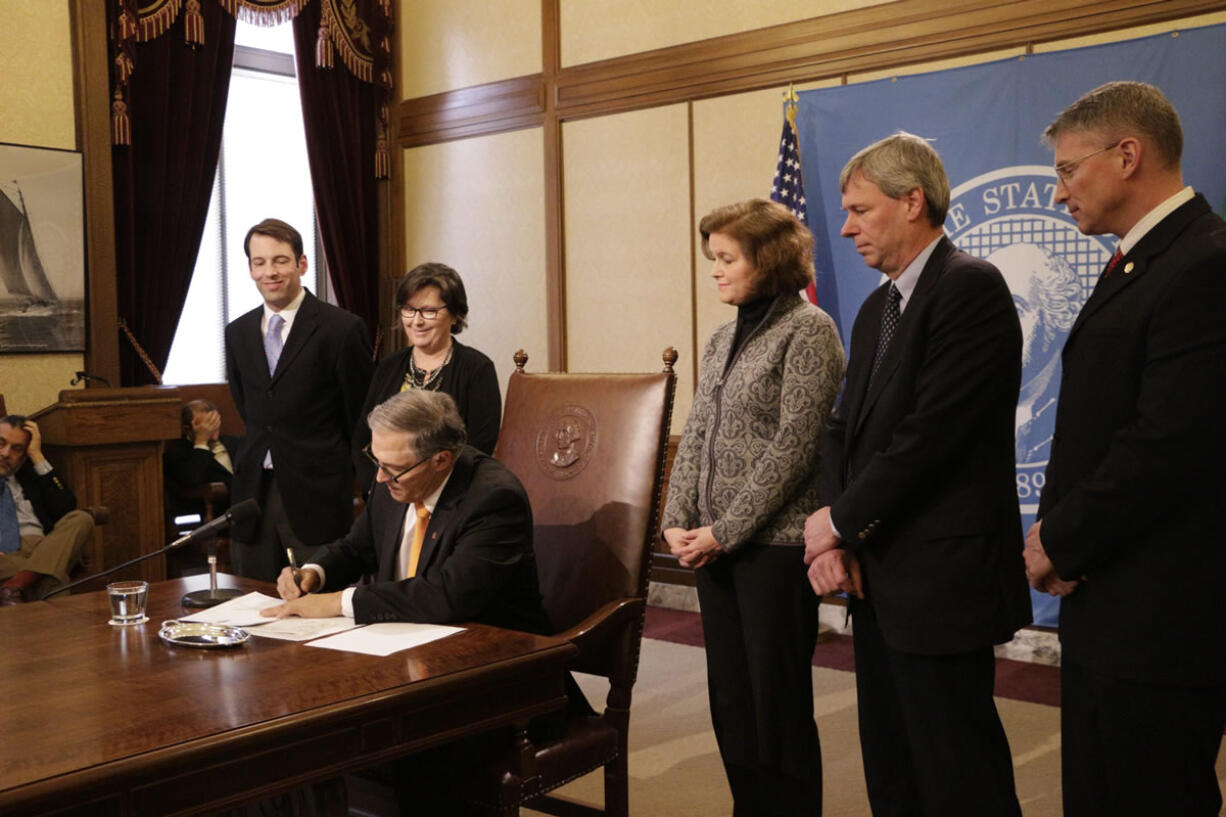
(10, 528)
(889, 322)
(272, 342)
(1115, 259)
(419, 536)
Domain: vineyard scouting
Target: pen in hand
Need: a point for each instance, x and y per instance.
(293, 565)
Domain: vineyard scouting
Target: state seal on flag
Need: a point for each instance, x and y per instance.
(1010, 217)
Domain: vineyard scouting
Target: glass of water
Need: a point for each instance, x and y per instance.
(128, 602)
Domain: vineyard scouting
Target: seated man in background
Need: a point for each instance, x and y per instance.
(447, 532)
(200, 456)
(41, 533)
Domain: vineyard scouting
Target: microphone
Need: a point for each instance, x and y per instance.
(247, 509)
(90, 377)
(243, 511)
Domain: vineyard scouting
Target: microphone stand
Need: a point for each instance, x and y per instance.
(199, 598)
(176, 543)
(214, 595)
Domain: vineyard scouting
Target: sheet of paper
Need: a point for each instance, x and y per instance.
(293, 628)
(385, 638)
(243, 611)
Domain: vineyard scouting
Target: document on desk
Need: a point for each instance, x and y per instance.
(385, 638)
(244, 611)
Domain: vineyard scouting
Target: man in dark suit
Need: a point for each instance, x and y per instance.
(923, 527)
(1135, 486)
(298, 370)
(201, 455)
(41, 532)
(447, 532)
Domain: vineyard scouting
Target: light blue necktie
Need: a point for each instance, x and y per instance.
(272, 342)
(10, 529)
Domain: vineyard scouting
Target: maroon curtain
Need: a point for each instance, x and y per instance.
(164, 178)
(339, 111)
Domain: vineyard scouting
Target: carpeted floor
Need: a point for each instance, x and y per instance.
(674, 764)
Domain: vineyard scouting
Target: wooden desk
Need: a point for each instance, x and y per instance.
(103, 720)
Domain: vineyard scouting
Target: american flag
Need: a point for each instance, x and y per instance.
(789, 186)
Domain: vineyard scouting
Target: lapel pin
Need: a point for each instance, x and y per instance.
(1128, 267)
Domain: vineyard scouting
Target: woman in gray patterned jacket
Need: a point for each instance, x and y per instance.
(744, 479)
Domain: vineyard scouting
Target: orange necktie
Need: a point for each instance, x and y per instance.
(419, 536)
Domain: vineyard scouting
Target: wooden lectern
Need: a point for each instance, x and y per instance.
(107, 444)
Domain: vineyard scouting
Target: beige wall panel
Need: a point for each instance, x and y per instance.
(478, 205)
(449, 44)
(597, 29)
(32, 382)
(36, 63)
(628, 261)
(36, 108)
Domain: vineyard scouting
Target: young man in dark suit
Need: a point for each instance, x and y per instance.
(923, 528)
(41, 532)
(298, 370)
(447, 532)
(1135, 486)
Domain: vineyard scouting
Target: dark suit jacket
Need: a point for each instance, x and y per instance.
(304, 413)
(185, 467)
(1135, 488)
(919, 471)
(476, 562)
(47, 493)
(469, 378)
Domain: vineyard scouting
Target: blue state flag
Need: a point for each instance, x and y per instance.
(986, 121)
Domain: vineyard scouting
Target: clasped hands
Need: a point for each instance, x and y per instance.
(299, 600)
(1039, 569)
(831, 568)
(693, 548)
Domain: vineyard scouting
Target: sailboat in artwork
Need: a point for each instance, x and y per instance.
(21, 270)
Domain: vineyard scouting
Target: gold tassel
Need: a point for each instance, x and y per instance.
(127, 23)
(193, 23)
(123, 67)
(121, 124)
(323, 47)
(383, 160)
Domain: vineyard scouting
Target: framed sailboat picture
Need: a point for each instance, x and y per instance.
(42, 250)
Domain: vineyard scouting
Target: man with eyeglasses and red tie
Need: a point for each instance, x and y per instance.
(447, 532)
(1135, 486)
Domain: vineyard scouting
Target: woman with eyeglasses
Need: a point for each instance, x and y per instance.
(432, 308)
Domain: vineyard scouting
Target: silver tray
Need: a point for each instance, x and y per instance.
(202, 635)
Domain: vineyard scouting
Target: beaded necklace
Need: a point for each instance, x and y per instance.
(418, 378)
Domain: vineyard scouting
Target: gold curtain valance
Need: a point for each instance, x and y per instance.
(347, 27)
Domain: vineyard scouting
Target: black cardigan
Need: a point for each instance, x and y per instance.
(469, 378)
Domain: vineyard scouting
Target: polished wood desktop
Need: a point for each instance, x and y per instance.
(102, 720)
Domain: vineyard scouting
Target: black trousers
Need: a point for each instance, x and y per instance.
(931, 738)
(264, 558)
(1135, 748)
(759, 619)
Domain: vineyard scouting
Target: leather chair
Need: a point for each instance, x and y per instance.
(590, 451)
(214, 495)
